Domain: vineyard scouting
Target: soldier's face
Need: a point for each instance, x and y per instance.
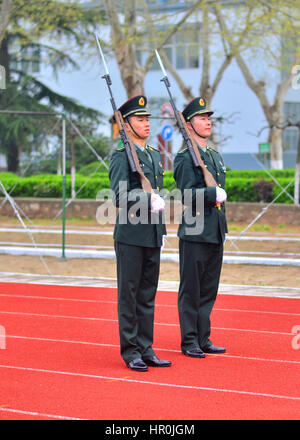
(202, 124)
(140, 125)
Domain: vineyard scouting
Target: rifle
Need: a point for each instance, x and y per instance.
(133, 160)
(189, 141)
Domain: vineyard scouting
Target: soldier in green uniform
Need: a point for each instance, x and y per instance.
(200, 253)
(138, 239)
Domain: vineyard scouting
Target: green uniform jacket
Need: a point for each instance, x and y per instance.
(132, 227)
(187, 176)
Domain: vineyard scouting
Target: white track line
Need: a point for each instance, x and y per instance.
(37, 414)
(145, 382)
(44, 315)
(59, 298)
(12, 295)
(100, 301)
(257, 311)
(171, 234)
(98, 344)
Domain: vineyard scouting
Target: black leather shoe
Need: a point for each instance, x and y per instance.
(155, 362)
(214, 349)
(137, 365)
(194, 352)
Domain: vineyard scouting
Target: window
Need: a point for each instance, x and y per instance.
(290, 134)
(290, 139)
(29, 60)
(162, 5)
(182, 49)
(291, 111)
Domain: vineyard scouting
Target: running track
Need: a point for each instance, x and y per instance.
(61, 359)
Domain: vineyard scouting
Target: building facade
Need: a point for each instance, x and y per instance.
(239, 118)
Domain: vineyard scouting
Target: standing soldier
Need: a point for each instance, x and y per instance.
(138, 239)
(200, 253)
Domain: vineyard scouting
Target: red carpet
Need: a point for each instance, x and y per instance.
(62, 359)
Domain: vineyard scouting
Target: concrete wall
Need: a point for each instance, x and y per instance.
(86, 208)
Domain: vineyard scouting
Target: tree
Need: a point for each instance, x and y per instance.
(143, 24)
(137, 27)
(131, 27)
(277, 19)
(207, 85)
(44, 26)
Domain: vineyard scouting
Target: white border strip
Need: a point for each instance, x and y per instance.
(162, 282)
(75, 253)
(169, 235)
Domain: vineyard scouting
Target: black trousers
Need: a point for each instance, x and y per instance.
(137, 274)
(200, 267)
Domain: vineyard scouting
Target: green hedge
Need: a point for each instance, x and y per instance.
(256, 174)
(239, 185)
(241, 190)
(51, 186)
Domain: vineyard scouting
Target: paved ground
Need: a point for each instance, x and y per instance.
(229, 289)
(261, 278)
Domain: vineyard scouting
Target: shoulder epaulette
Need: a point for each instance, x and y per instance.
(182, 151)
(151, 148)
(209, 148)
(120, 149)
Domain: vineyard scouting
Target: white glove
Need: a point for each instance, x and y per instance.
(157, 203)
(221, 195)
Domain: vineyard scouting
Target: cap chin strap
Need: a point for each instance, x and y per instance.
(137, 135)
(203, 137)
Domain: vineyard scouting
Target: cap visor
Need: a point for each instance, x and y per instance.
(201, 112)
(137, 112)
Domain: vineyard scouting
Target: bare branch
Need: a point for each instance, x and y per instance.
(255, 86)
(172, 31)
(186, 91)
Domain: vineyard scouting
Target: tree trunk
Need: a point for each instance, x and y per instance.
(276, 156)
(4, 58)
(13, 157)
(132, 77)
(132, 74)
